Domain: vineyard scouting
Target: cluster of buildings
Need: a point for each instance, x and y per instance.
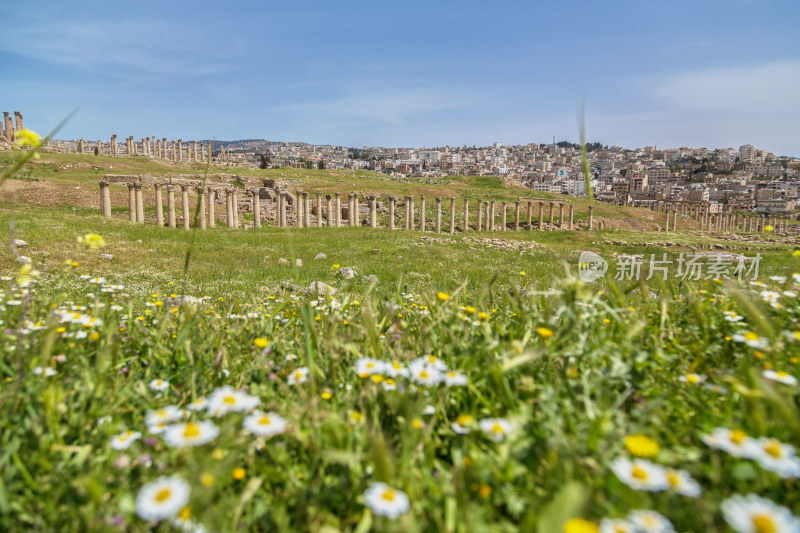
(746, 178)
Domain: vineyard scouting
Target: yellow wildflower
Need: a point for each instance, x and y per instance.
(92, 240)
(641, 445)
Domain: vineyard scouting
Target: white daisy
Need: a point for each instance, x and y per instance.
(751, 339)
(731, 316)
(616, 525)
(428, 410)
(692, 378)
(775, 456)
(453, 378)
(298, 376)
(681, 482)
(650, 522)
(159, 384)
(45, 371)
(198, 405)
(367, 366)
(734, 441)
(228, 400)
(386, 501)
(496, 428)
(162, 498)
(432, 360)
(753, 514)
(157, 429)
(770, 296)
(780, 377)
(265, 424)
(124, 440)
(166, 414)
(463, 424)
(424, 374)
(389, 384)
(395, 369)
(190, 434)
(640, 474)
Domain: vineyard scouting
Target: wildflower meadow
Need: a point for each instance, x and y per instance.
(513, 402)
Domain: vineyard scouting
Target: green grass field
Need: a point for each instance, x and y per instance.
(491, 389)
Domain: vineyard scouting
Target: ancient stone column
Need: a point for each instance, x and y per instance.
(18, 120)
(209, 151)
(591, 218)
(212, 200)
(180, 150)
(675, 220)
(466, 214)
(337, 215)
(422, 213)
(373, 211)
(452, 215)
(329, 202)
(561, 215)
(159, 206)
(407, 217)
(299, 208)
(319, 209)
(235, 202)
(80, 146)
(163, 148)
(529, 213)
(541, 216)
(201, 198)
(194, 152)
(137, 187)
(229, 207)
(105, 199)
(666, 222)
(9, 133)
(438, 215)
(552, 225)
(171, 205)
(411, 212)
(131, 203)
(503, 218)
(516, 215)
(256, 208)
(391, 212)
(480, 214)
(350, 221)
(306, 210)
(571, 219)
(173, 155)
(491, 215)
(185, 207)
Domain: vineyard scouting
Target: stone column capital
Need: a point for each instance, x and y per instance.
(137, 186)
(184, 188)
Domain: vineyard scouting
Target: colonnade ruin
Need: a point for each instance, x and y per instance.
(267, 202)
(172, 150)
(9, 127)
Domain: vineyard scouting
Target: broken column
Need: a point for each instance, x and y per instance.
(235, 202)
(452, 215)
(201, 198)
(373, 211)
(319, 209)
(139, 204)
(329, 209)
(114, 144)
(466, 214)
(18, 120)
(541, 216)
(438, 215)
(131, 203)
(298, 208)
(171, 206)
(422, 210)
(503, 219)
(212, 199)
(491, 217)
(561, 215)
(306, 210)
(105, 199)
(516, 215)
(550, 220)
(159, 206)
(185, 206)
(591, 217)
(337, 218)
(571, 220)
(480, 214)
(391, 212)
(9, 127)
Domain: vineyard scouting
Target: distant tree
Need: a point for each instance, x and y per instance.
(321, 165)
(264, 160)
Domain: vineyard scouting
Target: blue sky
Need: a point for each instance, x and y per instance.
(409, 73)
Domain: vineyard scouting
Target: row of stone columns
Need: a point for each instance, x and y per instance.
(193, 152)
(331, 210)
